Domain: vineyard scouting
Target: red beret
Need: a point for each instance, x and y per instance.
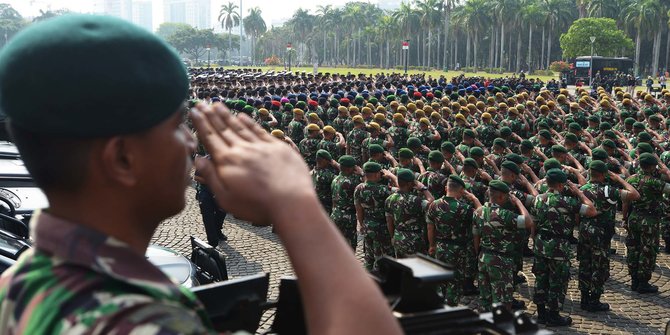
(276, 103)
(344, 101)
(429, 94)
(417, 94)
(313, 103)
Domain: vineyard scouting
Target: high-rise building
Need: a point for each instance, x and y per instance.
(118, 8)
(193, 12)
(143, 14)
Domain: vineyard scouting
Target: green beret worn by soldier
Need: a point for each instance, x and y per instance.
(449, 219)
(405, 213)
(555, 216)
(323, 175)
(643, 221)
(123, 166)
(595, 234)
(494, 230)
(369, 198)
(342, 188)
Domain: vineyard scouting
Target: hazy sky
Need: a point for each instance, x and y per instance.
(274, 11)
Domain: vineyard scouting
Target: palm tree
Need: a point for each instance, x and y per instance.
(229, 18)
(406, 17)
(429, 13)
(302, 23)
(254, 26)
(558, 13)
(532, 15)
(602, 8)
(386, 27)
(640, 15)
(324, 17)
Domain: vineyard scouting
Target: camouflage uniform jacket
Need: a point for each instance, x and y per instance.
(372, 196)
(338, 124)
(435, 181)
(322, 179)
(452, 219)
(79, 281)
(554, 215)
(355, 141)
(497, 228)
(342, 190)
(487, 133)
(399, 135)
(332, 147)
(295, 130)
(308, 148)
(651, 188)
(407, 210)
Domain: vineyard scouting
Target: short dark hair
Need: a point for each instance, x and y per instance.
(54, 162)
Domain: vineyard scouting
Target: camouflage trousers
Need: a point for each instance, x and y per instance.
(455, 255)
(407, 243)
(496, 279)
(592, 253)
(642, 244)
(520, 242)
(470, 266)
(551, 281)
(345, 221)
(376, 243)
(327, 204)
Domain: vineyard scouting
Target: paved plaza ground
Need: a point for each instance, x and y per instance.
(251, 250)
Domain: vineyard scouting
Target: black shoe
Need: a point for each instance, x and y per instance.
(612, 251)
(519, 279)
(541, 314)
(528, 252)
(469, 288)
(596, 306)
(634, 284)
(585, 300)
(647, 288)
(222, 237)
(518, 304)
(556, 320)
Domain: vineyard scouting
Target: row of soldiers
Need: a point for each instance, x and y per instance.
(472, 178)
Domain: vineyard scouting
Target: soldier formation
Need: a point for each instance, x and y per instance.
(473, 171)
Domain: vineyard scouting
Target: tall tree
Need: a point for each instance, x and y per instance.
(254, 26)
(641, 16)
(229, 18)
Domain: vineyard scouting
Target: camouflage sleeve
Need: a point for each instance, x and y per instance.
(431, 214)
(357, 195)
(388, 204)
(510, 220)
(476, 227)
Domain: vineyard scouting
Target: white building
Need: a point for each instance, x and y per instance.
(118, 8)
(196, 13)
(143, 14)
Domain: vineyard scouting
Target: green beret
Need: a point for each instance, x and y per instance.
(594, 118)
(406, 153)
(500, 142)
(505, 131)
(545, 133)
(499, 185)
(647, 159)
(436, 156)
(323, 154)
(371, 167)
(300, 104)
(413, 142)
(559, 148)
(90, 76)
(648, 111)
(625, 114)
(575, 126)
(609, 143)
(571, 137)
(375, 149)
(638, 125)
(543, 125)
(644, 136)
(405, 175)
(509, 165)
(629, 121)
(655, 118)
(470, 162)
(644, 147)
(514, 158)
(605, 126)
(609, 133)
(347, 161)
(469, 132)
(552, 163)
(599, 154)
(248, 109)
(334, 102)
(448, 147)
(476, 152)
(556, 176)
(527, 144)
(456, 179)
(373, 101)
(598, 166)
(390, 98)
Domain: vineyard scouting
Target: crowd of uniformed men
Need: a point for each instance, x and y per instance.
(473, 171)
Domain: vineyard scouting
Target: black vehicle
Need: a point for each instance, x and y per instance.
(580, 68)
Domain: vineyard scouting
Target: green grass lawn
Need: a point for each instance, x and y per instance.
(433, 73)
